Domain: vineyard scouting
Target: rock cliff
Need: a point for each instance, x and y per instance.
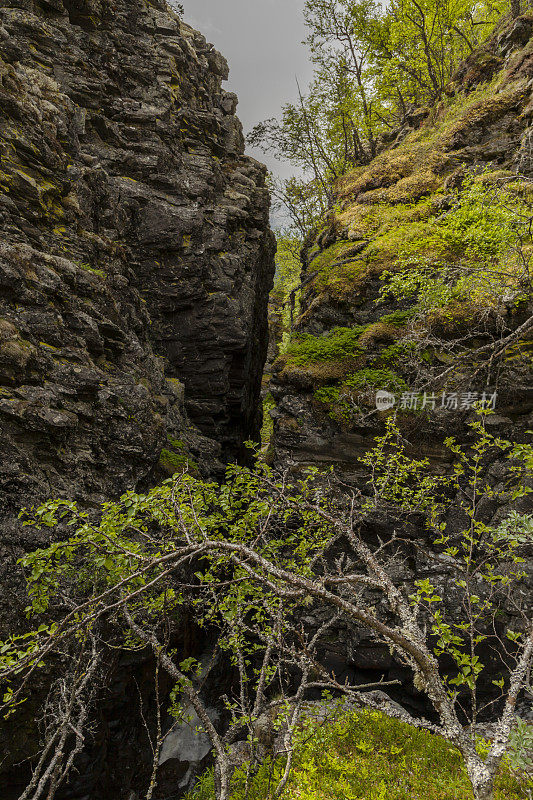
(136, 260)
(352, 338)
(135, 255)
(433, 207)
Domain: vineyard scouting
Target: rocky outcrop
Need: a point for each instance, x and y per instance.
(400, 213)
(352, 340)
(135, 262)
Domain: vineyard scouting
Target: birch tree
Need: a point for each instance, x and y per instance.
(251, 557)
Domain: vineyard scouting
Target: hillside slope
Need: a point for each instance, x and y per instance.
(432, 207)
(418, 285)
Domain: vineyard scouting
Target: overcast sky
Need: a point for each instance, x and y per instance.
(261, 40)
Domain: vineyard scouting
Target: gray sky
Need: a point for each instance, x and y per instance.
(261, 40)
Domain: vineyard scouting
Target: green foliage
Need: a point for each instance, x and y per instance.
(398, 318)
(374, 63)
(268, 423)
(419, 45)
(375, 379)
(284, 298)
(133, 554)
(117, 554)
(486, 559)
(476, 254)
(364, 755)
(520, 753)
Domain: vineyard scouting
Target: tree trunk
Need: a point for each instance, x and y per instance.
(482, 784)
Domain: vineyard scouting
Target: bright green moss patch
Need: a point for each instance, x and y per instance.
(365, 221)
(337, 344)
(356, 390)
(344, 278)
(375, 379)
(364, 755)
(87, 267)
(174, 458)
(337, 251)
(477, 233)
(341, 261)
(400, 203)
(398, 318)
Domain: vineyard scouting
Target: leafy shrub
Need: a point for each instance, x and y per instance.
(520, 753)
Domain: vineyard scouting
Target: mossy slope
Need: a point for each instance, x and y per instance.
(446, 200)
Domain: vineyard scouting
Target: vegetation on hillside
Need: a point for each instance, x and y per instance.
(375, 64)
(443, 253)
(364, 209)
(427, 252)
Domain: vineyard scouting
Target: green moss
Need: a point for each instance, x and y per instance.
(396, 352)
(361, 381)
(365, 755)
(337, 344)
(398, 318)
(88, 268)
(395, 202)
(175, 458)
(336, 252)
(479, 229)
(176, 444)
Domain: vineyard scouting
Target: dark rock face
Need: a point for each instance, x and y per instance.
(136, 256)
(135, 261)
(122, 154)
